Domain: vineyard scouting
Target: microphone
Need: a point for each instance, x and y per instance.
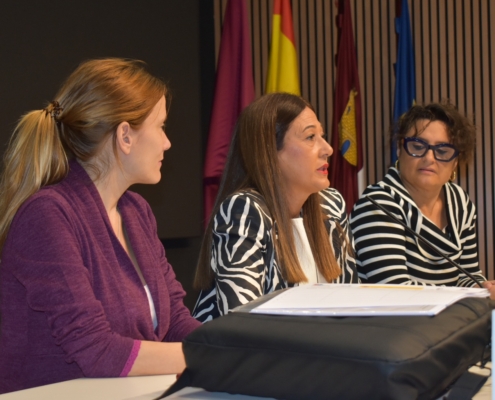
(476, 280)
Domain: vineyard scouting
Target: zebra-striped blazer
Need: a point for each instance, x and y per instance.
(387, 253)
(243, 253)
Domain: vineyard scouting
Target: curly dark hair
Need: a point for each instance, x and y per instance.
(460, 129)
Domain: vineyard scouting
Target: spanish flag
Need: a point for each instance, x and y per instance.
(283, 74)
(347, 158)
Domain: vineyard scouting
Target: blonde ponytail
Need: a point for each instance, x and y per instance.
(35, 158)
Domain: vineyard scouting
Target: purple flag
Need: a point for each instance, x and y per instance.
(234, 90)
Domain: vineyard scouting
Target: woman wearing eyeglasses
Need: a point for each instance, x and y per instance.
(420, 191)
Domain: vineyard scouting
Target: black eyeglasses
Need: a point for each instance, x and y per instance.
(416, 147)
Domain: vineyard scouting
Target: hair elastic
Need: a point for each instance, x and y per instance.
(54, 109)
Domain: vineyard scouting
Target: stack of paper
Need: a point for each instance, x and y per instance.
(365, 300)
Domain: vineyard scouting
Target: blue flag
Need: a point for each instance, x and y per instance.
(405, 75)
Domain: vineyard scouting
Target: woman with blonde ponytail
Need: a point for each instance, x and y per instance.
(276, 223)
(85, 287)
(35, 158)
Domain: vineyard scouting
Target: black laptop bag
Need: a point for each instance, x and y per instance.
(290, 357)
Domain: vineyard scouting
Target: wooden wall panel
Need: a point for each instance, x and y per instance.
(455, 56)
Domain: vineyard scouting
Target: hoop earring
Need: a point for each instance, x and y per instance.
(453, 176)
(397, 165)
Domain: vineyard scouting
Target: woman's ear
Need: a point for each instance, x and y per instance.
(123, 137)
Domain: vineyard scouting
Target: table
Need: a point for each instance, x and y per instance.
(130, 388)
(486, 391)
(145, 388)
(135, 388)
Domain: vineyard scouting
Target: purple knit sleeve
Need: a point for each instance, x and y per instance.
(132, 357)
(46, 251)
(181, 321)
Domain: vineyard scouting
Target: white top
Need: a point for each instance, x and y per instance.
(152, 306)
(304, 253)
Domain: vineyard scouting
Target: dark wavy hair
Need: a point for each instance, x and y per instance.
(460, 129)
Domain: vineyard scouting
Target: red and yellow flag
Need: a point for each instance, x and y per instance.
(283, 73)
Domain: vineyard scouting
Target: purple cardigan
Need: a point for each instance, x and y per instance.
(71, 301)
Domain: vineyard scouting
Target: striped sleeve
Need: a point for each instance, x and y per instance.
(333, 206)
(468, 237)
(239, 244)
(380, 242)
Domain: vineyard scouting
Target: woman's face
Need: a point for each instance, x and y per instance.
(149, 144)
(303, 157)
(426, 173)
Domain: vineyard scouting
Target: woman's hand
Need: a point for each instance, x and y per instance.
(490, 285)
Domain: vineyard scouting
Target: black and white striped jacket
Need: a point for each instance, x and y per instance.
(387, 253)
(243, 252)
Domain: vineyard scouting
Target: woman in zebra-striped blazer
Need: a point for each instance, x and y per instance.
(418, 191)
(275, 222)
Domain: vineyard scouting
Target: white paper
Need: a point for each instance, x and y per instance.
(365, 300)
